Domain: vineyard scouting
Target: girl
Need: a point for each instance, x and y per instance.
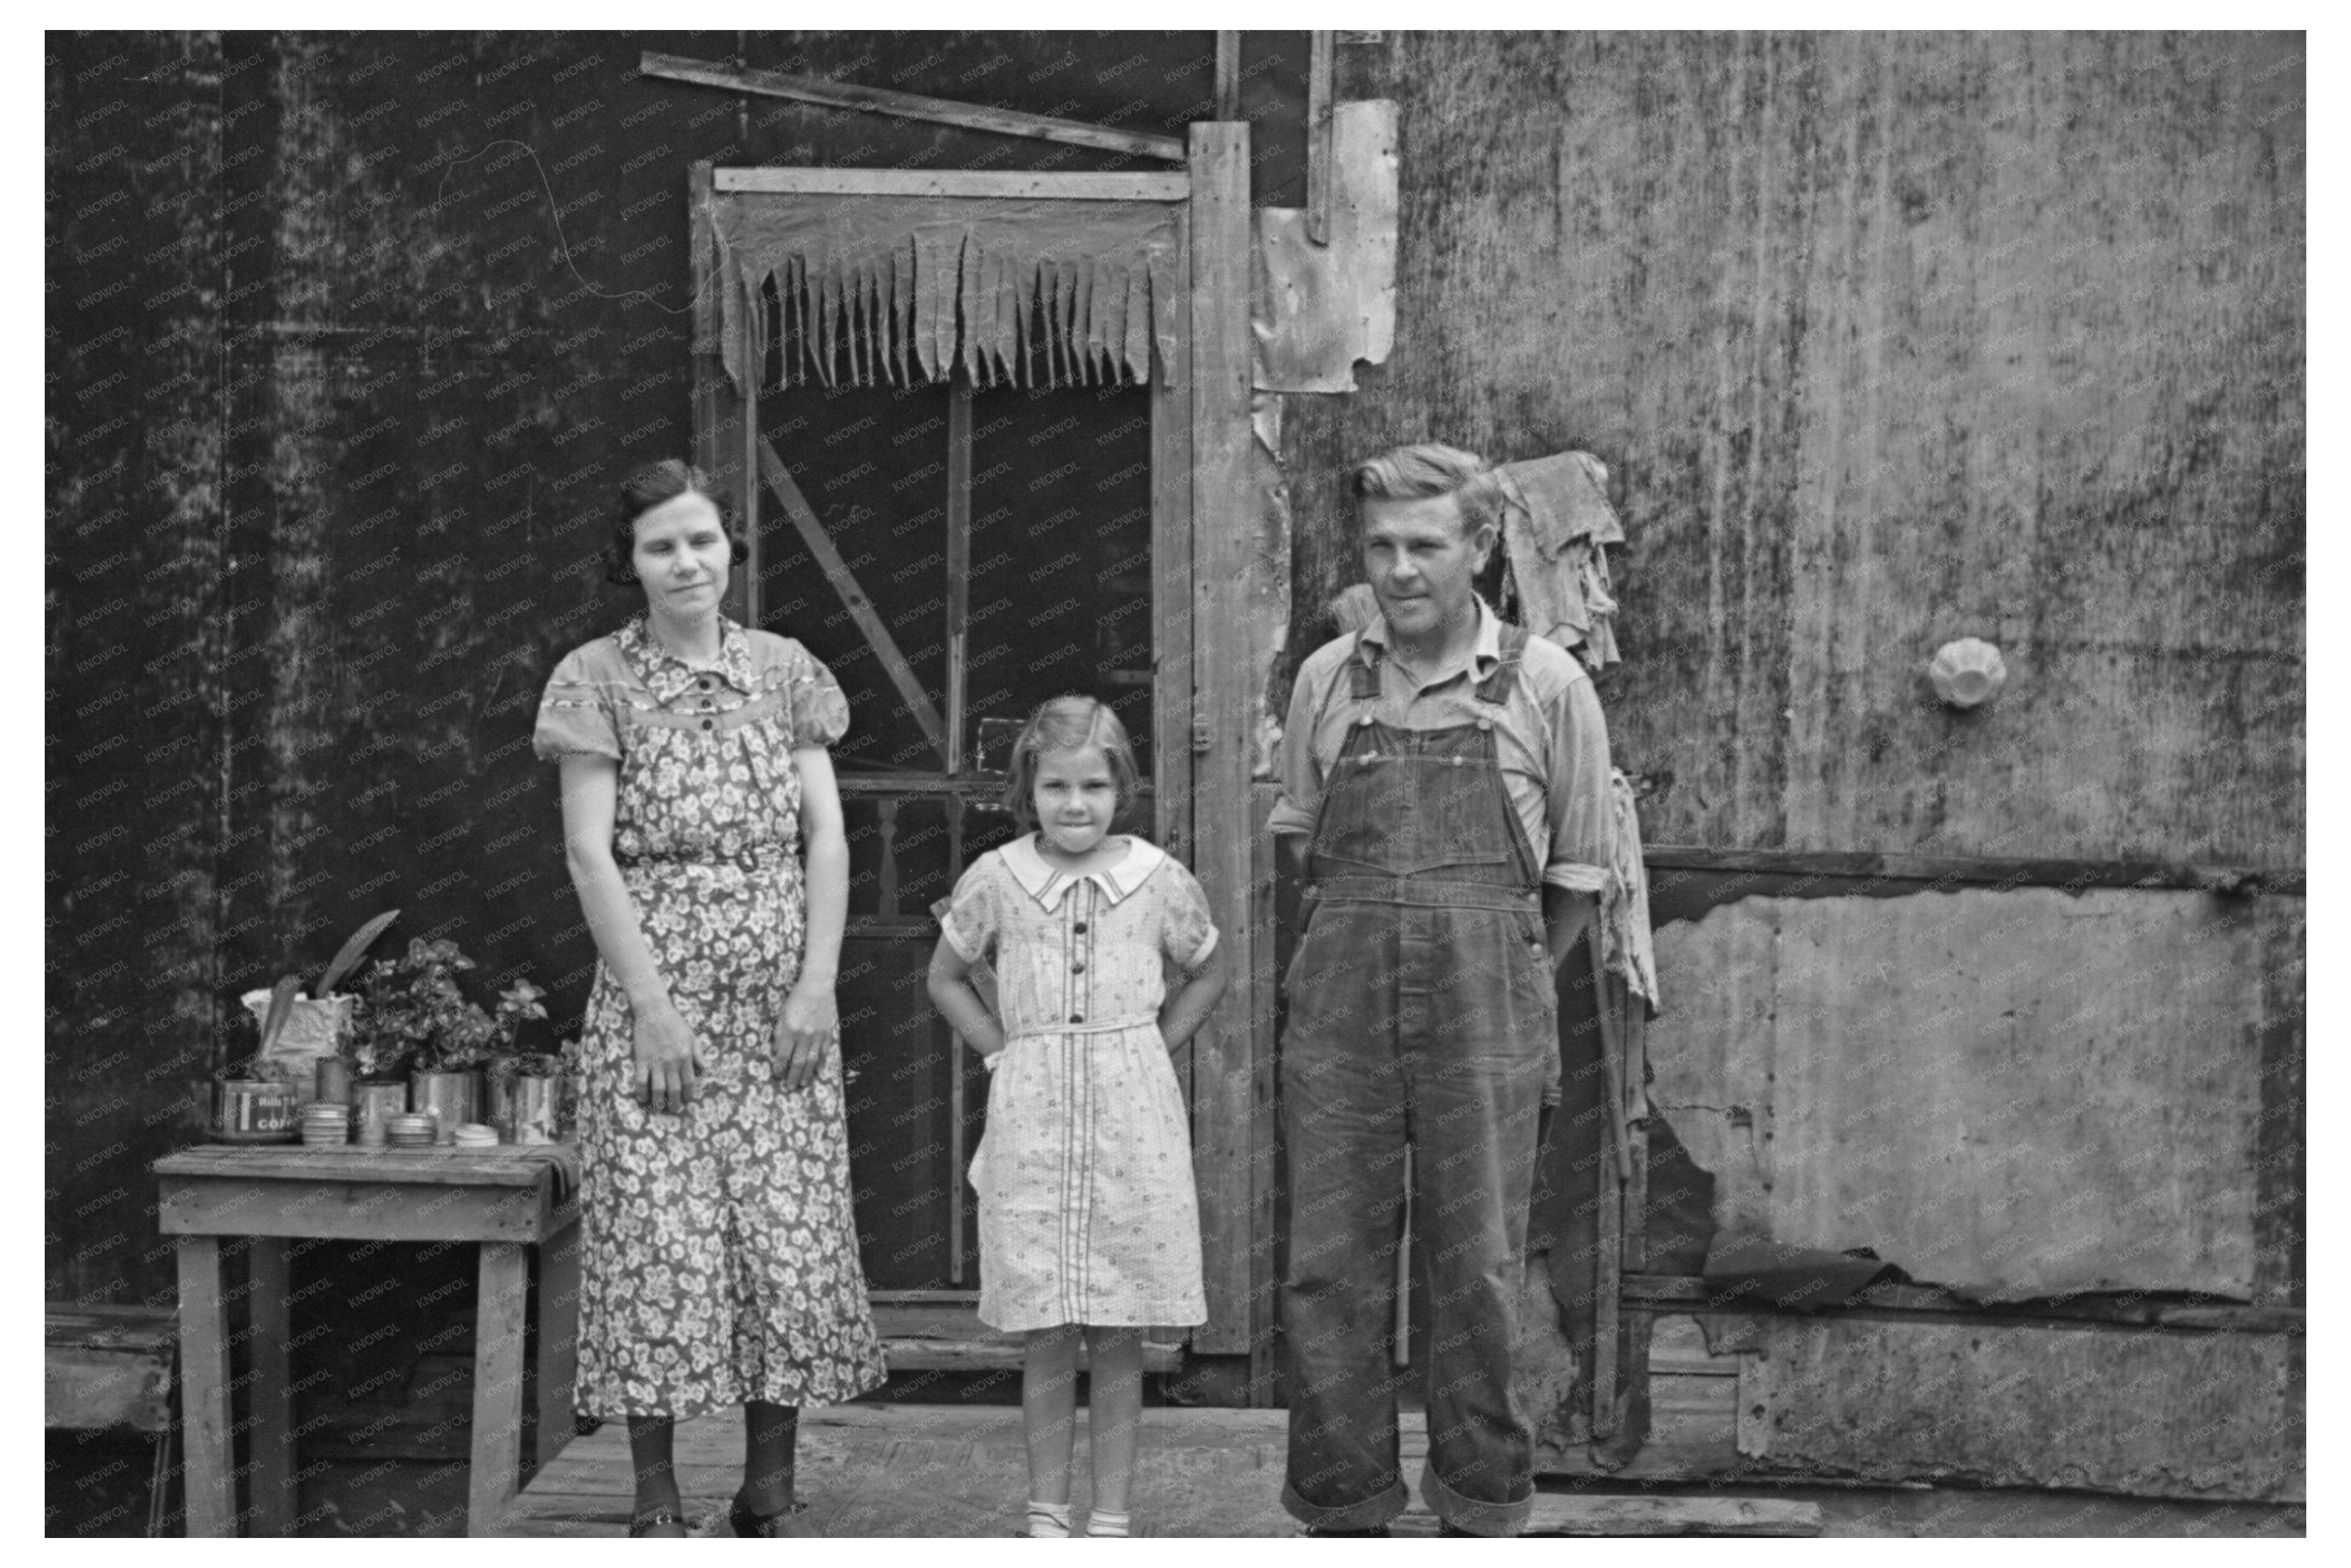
(1088, 1222)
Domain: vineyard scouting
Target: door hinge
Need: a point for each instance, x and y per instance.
(1199, 737)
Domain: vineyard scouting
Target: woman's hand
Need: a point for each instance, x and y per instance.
(667, 1060)
(805, 1032)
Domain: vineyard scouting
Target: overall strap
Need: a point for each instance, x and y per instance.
(1496, 687)
(1363, 671)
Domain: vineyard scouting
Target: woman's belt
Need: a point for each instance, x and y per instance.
(755, 858)
(1424, 892)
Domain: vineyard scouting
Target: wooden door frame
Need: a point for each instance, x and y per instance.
(1203, 730)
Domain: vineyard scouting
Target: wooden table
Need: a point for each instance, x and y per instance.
(504, 1199)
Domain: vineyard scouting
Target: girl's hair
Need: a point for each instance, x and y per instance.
(1067, 724)
(644, 491)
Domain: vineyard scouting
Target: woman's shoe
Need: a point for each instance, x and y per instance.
(646, 1524)
(767, 1525)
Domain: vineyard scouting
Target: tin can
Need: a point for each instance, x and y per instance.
(334, 1081)
(411, 1130)
(254, 1111)
(373, 1105)
(452, 1098)
(326, 1122)
(522, 1107)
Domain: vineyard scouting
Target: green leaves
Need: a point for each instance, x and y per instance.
(347, 956)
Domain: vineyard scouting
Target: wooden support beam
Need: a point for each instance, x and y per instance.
(718, 406)
(910, 106)
(1228, 1119)
(1228, 75)
(270, 1420)
(958, 564)
(990, 184)
(1171, 583)
(844, 583)
(204, 1389)
(1973, 871)
(1318, 138)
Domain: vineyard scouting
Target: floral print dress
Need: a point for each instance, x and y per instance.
(719, 1254)
(1087, 1210)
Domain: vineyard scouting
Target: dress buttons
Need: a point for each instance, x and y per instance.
(1078, 967)
(1079, 928)
(1077, 1017)
(706, 724)
(1484, 723)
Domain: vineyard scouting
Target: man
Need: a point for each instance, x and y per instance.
(1444, 798)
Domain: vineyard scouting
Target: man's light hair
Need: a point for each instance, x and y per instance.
(1430, 468)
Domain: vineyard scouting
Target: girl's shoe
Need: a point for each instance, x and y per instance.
(768, 1526)
(645, 1524)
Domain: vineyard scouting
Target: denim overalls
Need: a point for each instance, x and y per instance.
(1422, 1010)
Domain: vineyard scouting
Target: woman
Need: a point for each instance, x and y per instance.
(719, 1257)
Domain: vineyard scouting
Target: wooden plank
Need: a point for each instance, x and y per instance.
(954, 183)
(1594, 1514)
(1225, 1121)
(558, 1320)
(358, 1211)
(1318, 137)
(755, 366)
(269, 1396)
(844, 583)
(493, 1470)
(1690, 1293)
(87, 1388)
(1228, 75)
(1977, 870)
(205, 1385)
(439, 1166)
(910, 106)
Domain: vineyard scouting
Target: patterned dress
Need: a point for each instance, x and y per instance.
(1087, 1212)
(719, 1255)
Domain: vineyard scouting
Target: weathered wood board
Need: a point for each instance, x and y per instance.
(2144, 1412)
(2026, 1090)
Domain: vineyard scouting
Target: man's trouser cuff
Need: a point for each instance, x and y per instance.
(1368, 1514)
(1467, 1513)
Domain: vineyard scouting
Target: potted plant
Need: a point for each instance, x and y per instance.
(415, 1019)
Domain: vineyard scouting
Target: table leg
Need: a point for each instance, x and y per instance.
(494, 1476)
(559, 1340)
(203, 1388)
(270, 1442)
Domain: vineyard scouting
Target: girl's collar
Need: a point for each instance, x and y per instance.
(1045, 883)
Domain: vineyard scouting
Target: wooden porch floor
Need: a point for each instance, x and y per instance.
(945, 1471)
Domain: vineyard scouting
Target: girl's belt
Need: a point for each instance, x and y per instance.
(1091, 1025)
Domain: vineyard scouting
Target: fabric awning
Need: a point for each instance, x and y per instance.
(884, 290)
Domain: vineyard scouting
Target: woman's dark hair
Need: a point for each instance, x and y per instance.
(648, 487)
(1067, 724)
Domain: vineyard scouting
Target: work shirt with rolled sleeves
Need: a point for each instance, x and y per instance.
(1550, 739)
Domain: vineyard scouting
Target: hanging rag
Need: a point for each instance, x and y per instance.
(1626, 947)
(1556, 520)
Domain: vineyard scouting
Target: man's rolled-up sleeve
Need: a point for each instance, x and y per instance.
(1581, 812)
(1302, 778)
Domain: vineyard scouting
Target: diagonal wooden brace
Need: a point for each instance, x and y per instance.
(844, 582)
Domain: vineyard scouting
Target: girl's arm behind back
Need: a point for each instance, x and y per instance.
(949, 984)
(1188, 1007)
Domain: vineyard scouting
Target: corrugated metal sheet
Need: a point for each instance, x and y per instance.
(1885, 339)
(2029, 1091)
